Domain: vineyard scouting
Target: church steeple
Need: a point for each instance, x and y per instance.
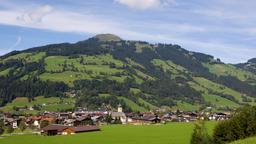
(119, 109)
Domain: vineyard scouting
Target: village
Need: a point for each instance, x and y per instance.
(66, 123)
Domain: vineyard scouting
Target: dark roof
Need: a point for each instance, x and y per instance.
(55, 127)
(147, 118)
(83, 118)
(61, 128)
(85, 128)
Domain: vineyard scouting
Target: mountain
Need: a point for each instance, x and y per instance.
(105, 70)
(249, 66)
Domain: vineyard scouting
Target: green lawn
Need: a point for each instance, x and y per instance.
(173, 133)
(205, 84)
(246, 141)
(184, 106)
(48, 104)
(132, 105)
(229, 70)
(28, 57)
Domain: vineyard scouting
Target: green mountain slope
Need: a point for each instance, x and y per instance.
(105, 70)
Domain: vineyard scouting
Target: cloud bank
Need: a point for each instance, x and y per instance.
(145, 4)
(216, 28)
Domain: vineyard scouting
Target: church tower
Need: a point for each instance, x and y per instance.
(119, 109)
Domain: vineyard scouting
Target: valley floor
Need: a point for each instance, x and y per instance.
(173, 133)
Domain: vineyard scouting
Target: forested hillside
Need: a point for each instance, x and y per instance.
(105, 70)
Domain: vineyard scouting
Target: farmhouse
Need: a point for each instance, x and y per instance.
(84, 120)
(146, 119)
(55, 129)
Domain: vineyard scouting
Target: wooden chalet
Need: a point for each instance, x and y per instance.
(147, 119)
(55, 129)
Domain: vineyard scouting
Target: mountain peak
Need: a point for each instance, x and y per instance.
(107, 37)
(252, 60)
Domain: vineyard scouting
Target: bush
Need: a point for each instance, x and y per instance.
(44, 124)
(200, 134)
(22, 126)
(241, 125)
(9, 129)
(1, 131)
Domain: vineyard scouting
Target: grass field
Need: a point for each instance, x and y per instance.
(207, 84)
(229, 70)
(48, 104)
(185, 106)
(28, 57)
(251, 140)
(173, 133)
(132, 105)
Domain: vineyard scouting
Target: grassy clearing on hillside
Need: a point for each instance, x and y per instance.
(28, 57)
(5, 72)
(173, 133)
(184, 106)
(62, 68)
(98, 63)
(140, 47)
(251, 140)
(169, 66)
(147, 104)
(219, 88)
(48, 104)
(132, 105)
(133, 63)
(67, 77)
(229, 70)
(219, 102)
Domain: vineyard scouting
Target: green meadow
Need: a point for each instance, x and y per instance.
(48, 104)
(173, 133)
(246, 141)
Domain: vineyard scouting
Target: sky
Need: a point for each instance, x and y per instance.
(225, 29)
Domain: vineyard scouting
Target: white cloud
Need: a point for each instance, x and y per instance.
(155, 30)
(145, 4)
(35, 15)
(45, 17)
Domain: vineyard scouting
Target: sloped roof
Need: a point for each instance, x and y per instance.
(85, 128)
(59, 128)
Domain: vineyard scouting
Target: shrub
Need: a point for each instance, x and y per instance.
(200, 134)
(241, 125)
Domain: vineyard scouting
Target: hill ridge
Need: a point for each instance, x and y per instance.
(137, 74)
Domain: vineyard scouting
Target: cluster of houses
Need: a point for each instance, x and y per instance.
(64, 123)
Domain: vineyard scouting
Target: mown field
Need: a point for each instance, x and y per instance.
(173, 133)
(46, 104)
(246, 141)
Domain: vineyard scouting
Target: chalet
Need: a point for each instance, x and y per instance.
(51, 130)
(219, 116)
(84, 120)
(67, 122)
(12, 122)
(54, 129)
(97, 118)
(80, 129)
(65, 115)
(146, 119)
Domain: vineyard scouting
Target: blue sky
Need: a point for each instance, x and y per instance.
(225, 29)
